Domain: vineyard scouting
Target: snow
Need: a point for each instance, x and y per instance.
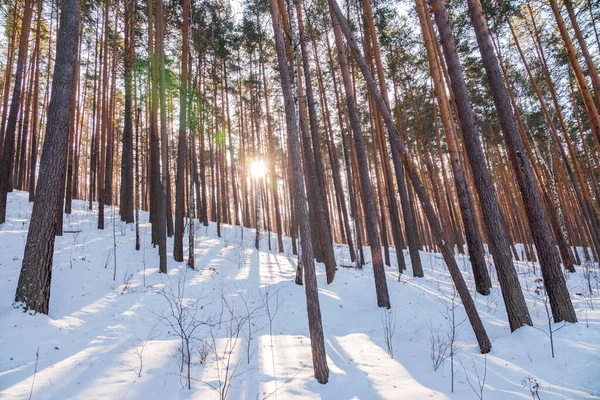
(89, 345)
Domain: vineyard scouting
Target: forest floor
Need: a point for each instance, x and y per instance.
(122, 338)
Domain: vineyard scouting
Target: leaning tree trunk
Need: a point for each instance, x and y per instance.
(592, 111)
(483, 282)
(554, 281)
(321, 370)
(589, 62)
(514, 301)
(383, 299)
(33, 289)
(484, 342)
(385, 183)
(410, 227)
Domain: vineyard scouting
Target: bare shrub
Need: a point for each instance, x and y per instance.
(184, 316)
(203, 352)
(139, 345)
(453, 328)
(541, 293)
(480, 384)
(531, 383)
(439, 344)
(231, 325)
(388, 323)
(271, 309)
(127, 276)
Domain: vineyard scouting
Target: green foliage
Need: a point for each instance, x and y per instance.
(220, 138)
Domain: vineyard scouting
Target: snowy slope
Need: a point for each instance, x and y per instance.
(98, 330)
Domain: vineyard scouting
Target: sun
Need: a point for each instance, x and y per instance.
(258, 169)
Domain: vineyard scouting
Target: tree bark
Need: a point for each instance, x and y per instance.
(181, 147)
(8, 145)
(514, 301)
(126, 192)
(319, 186)
(383, 299)
(554, 281)
(483, 282)
(33, 289)
(321, 370)
(35, 101)
(461, 287)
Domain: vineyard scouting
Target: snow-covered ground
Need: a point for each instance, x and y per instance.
(113, 339)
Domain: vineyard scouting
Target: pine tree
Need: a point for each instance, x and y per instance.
(33, 288)
(321, 370)
(554, 281)
(514, 301)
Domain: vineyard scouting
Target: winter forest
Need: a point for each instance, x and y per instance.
(290, 199)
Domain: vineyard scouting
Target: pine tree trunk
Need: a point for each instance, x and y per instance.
(358, 259)
(514, 301)
(8, 145)
(8, 71)
(461, 287)
(554, 281)
(110, 133)
(158, 192)
(95, 124)
(321, 370)
(587, 201)
(483, 282)
(371, 48)
(381, 289)
(272, 164)
(33, 289)
(72, 134)
(319, 186)
(104, 120)
(589, 62)
(592, 110)
(333, 160)
(410, 227)
(181, 147)
(35, 101)
(126, 191)
(236, 201)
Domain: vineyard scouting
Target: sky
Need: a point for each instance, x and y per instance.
(237, 8)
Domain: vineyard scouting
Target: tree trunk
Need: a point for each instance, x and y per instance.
(33, 289)
(181, 147)
(8, 145)
(383, 299)
(514, 301)
(461, 287)
(159, 189)
(35, 101)
(592, 110)
(483, 282)
(589, 62)
(554, 281)
(321, 370)
(319, 186)
(126, 192)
